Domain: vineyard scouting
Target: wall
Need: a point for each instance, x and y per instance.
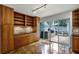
(63, 15)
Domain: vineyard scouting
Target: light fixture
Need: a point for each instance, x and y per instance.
(43, 6)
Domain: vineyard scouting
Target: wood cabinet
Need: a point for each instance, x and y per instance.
(20, 41)
(8, 19)
(75, 35)
(36, 23)
(25, 20)
(27, 38)
(75, 18)
(24, 39)
(19, 19)
(6, 29)
(0, 26)
(7, 15)
(75, 45)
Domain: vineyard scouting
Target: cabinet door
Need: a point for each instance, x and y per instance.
(7, 38)
(0, 25)
(20, 41)
(0, 14)
(35, 24)
(32, 38)
(75, 43)
(7, 15)
(0, 38)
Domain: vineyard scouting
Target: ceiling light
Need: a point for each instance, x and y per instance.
(43, 6)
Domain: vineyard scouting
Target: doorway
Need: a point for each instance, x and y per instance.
(57, 33)
(44, 27)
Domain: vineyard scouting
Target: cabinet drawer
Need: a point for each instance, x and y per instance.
(75, 43)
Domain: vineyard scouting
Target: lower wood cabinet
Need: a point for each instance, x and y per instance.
(19, 41)
(7, 38)
(75, 44)
(24, 39)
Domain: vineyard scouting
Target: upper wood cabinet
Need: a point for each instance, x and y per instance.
(25, 20)
(6, 29)
(19, 19)
(0, 15)
(7, 15)
(75, 18)
(36, 23)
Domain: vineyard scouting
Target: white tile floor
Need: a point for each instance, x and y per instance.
(42, 47)
(61, 47)
(61, 39)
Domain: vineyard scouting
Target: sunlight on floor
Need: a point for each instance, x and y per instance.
(55, 47)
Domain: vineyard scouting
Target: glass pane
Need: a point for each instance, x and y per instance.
(57, 33)
(63, 49)
(64, 36)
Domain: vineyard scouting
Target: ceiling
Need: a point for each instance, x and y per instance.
(50, 9)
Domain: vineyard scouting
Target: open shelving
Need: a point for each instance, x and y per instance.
(24, 20)
(75, 18)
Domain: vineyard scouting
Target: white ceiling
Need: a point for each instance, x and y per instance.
(50, 9)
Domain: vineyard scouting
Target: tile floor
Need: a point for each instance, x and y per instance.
(41, 47)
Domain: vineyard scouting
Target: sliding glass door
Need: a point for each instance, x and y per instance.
(57, 32)
(61, 35)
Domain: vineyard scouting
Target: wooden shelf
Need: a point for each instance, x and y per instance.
(17, 15)
(75, 18)
(19, 19)
(30, 18)
(16, 19)
(24, 20)
(29, 21)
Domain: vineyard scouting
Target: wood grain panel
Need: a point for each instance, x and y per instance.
(4, 38)
(0, 38)
(75, 43)
(10, 37)
(6, 29)
(75, 17)
(0, 25)
(8, 15)
(21, 40)
(7, 38)
(35, 24)
(75, 24)
(0, 14)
